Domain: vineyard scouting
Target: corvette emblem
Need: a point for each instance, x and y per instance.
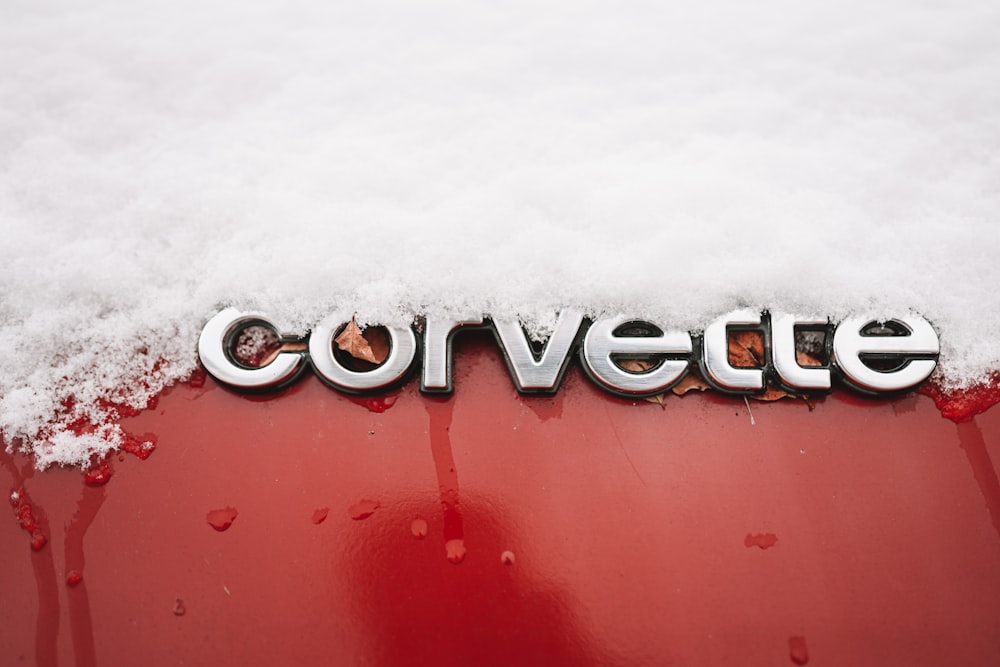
(870, 356)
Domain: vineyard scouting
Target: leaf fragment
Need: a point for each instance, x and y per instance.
(690, 382)
(641, 366)
(806, 360)
(369, 345)
(773, 394)
(378, 340)
(657, 399)
(746, 349)
(635, 365)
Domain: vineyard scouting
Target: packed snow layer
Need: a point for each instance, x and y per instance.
(391, 159)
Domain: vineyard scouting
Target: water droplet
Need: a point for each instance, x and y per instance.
(319, 516)
(99, 474)
(73, 577)
(797, 650)
(38, 540)
(140, 446)
(507, 558)
(455, 551)
(419, 528)
(363, 509)
(223, 518)
(380, 404)
(377, 404)
(197, 378)
(762, 540)
(26, 519)
(179, 608)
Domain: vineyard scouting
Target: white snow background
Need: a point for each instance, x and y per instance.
(672, 161)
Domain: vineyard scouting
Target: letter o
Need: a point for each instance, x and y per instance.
(402, 352)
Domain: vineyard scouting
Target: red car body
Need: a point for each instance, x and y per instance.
(491, 528)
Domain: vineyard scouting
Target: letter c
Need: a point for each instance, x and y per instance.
(215, 344)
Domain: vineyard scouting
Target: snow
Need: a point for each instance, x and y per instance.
(160, 161)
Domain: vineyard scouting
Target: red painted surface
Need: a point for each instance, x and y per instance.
(962, 406)
(222, 519)
(593, 530)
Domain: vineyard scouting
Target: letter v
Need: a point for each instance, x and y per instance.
(538, 375)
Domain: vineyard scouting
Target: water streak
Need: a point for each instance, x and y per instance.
(81, 625)
(440, 413)
(971, 438)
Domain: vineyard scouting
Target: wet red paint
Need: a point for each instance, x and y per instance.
(26, 518)
(73, 577)
(961, 405)
(319, 515)
(546, 407)
(454, 550)
(625, 522)
(984, 470)
(82, 425)
(38, 541)
(46, 587)
(222, 519)
(440, 414)
(140, 446)
(88, 505)
(99, 473)
(197, 379)
(797, 650)
(762, 540)
(119, 408)
(179, 608)
(377, 404)
(362, 509)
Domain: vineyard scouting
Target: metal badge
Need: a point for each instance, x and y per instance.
(786, 365)
(402, 352)
(436, 374)
(216, 343)
(538, 374)
(867, 355)
(601, 346)
(908, 346)
(715, 359)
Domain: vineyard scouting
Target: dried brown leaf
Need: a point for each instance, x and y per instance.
(635, 365)
(773, 394)
(746, 349)
(641, 366)
(690, 382)
(806, 360)
(357, 344)
(658, 399)
(378, 340)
